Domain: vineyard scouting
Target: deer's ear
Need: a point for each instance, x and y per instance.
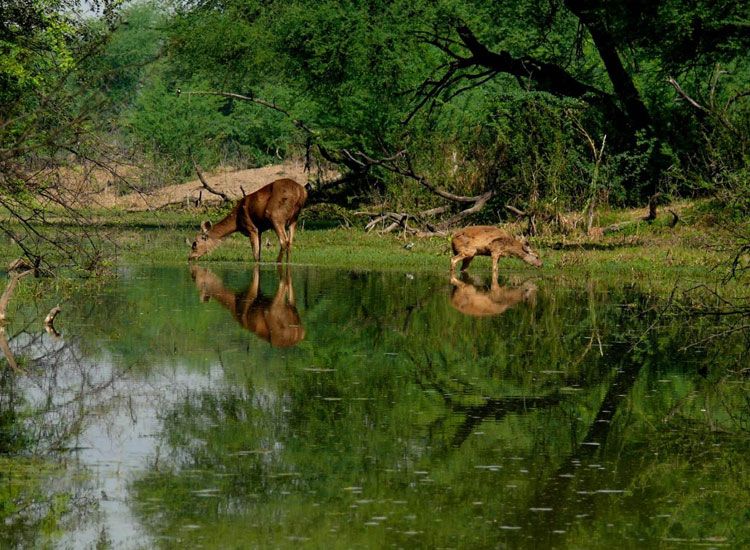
(206, 226)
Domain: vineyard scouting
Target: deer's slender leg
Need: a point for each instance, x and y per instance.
(466, 262)
(454, 261)
(255, 242)
(292, 229)
(251, 295)
(283, 239)
(279, 299)
(495, 259)
(254, 288)
(289, 287)
(458, 283)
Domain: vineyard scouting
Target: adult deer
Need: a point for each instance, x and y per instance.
(275, 320)
(275, 206)
(471, 300)
(488, 240)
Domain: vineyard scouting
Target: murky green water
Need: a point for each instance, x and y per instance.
(231, 409)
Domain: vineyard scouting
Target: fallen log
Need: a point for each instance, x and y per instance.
(648, 218)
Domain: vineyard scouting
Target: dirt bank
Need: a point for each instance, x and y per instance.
(100, 189)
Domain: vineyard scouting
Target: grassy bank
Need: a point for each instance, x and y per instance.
(694, 250)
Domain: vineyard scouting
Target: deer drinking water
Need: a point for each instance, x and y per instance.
(275, 206)
(488, 240)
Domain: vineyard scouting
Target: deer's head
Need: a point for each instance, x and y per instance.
(203, 242)
(529, 256)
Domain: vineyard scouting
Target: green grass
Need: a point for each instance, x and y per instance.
(653, 253)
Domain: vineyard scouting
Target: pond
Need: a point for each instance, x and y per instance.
(222, 406)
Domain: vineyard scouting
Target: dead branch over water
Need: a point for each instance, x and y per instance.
(18, 269)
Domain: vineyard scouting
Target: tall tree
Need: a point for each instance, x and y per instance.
(48, 99)
(615, 29)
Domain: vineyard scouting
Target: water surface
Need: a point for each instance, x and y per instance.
(221, 406)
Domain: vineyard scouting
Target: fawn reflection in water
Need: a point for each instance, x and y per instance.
(274, 319)
(480, 302)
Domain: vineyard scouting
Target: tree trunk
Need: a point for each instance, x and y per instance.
(625, 110)
(622, 83)
(587, 12)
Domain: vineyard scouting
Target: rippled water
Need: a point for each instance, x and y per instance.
(227, 407)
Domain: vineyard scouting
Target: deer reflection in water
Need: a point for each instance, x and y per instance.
(275, 320)
(480, 302)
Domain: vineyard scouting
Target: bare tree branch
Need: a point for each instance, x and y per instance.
(473, 209)
(721, 116)
(391, 163)
(686, 97)
(224, 196)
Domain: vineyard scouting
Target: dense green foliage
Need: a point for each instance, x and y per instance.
(550, 105)
(52, 103)
(355, 73)
(607, 394)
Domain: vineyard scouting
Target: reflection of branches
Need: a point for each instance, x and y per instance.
(552, 495)
(69, 386)
(722, 309)
(9, 357)
(493, 407)
(415, 306)
(594, 326)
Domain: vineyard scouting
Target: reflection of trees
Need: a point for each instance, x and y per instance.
(573, 469)
(543, 395)
(558, 385)
(63, 387)
(43, 414)
(650, 453)
(381, 388)
(571, 489)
